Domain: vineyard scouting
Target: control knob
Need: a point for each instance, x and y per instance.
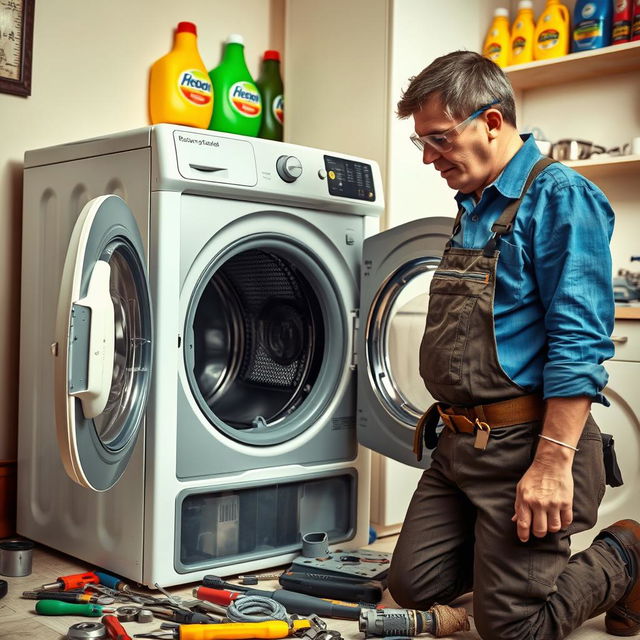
(289, 168)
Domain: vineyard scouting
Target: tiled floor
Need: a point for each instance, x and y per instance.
(18, 620)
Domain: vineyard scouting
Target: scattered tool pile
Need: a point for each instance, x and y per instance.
(222, 610)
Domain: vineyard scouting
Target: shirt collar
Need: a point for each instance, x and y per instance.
(510, 182)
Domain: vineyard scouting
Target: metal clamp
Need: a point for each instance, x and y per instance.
(86, 631)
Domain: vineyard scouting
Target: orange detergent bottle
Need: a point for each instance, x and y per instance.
(496, 43)
(180, 90)
(551, 37)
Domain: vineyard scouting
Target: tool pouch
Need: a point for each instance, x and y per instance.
(613, 475)
(425, 434)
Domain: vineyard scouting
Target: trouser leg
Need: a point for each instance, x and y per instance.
(533, 590)
(433, 560)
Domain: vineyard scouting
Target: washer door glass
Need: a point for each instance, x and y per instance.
(266, 340)
(103, 348)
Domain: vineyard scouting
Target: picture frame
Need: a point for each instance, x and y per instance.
(16, 46)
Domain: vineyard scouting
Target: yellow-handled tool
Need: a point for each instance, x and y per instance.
(241, 630)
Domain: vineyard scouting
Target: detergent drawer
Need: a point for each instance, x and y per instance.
(626, 336)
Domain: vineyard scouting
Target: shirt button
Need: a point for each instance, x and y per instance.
(475, 218)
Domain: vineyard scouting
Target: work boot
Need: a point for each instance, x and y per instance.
(623, 619)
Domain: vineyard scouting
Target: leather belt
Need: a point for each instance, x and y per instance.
(484, 417)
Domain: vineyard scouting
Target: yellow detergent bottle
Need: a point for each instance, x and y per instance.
(551, 37)
(496, 44)
(180, 90)
(521, 49)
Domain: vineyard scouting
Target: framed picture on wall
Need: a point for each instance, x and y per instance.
(16, 46)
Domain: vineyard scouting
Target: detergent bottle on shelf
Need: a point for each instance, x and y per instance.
(496, 43)
(179, 87)
(591, 25)
(551, 37)
(621, 26)
(635, 21)
(238, 106)
(272, 93)
(521, 49)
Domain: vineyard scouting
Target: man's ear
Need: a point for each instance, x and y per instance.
(494, 121)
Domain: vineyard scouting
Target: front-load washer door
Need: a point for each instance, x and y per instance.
(397, 267)
(103, 344)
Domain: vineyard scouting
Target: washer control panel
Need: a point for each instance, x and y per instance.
(349, 178)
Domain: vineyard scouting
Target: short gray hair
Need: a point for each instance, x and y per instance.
(464, 81)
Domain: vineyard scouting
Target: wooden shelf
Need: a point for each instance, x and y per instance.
(575, 66)
(606, 167)
(627, 313)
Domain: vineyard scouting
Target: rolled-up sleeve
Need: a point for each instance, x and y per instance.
(572, 263)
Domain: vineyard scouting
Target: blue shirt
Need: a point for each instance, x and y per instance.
(553, 308)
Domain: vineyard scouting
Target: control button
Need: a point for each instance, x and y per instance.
(289, 168)
(349, 239)
(322, 174)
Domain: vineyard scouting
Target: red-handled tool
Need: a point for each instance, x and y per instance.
(115, 631)
(217, 596)
(75, 581)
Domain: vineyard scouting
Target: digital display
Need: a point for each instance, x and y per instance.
(349, 179)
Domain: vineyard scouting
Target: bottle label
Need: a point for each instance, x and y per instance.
(278, 108)
(588, 30)
(548, 38)
(492, 51)
(195, 86)
(245, 99)
(518, 45)
(588, 10)
(621, 31)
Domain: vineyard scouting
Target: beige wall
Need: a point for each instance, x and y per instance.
(90, 69)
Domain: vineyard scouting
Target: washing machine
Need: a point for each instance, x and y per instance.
(192, 344)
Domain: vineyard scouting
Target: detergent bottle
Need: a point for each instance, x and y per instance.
(521, 49)
(238, 107)
(621, 28)
(496, 43)
(591, 25)
(551, 37)
(179, 87)
(635, 21)
(272, 93)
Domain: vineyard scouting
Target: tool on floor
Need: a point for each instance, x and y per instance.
(231, 630)
(67, 596)
(318, 631)
(293, 602)
(255, 578)
(87, 631)
(112, 582)
(144, 616)
(256, 609)
(360, 563)
(16, 557)
(127, 613)
(75, 581)
(181, 616)
(115, 630)
(438, 621)
(325, 586)
(58, 608)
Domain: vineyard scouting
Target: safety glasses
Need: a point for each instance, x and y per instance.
(443, 142)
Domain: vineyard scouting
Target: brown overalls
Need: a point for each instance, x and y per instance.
(458, 535)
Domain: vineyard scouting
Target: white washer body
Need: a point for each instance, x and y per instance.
(196, 197)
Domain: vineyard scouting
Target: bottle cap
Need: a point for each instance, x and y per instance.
(272, 55)
(525, 4)
(187, 27)
(235, 38)
(501, 11)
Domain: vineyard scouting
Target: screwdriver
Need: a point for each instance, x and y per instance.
(58, 608)
(115, 631)
(237, 630)
(293, 602)
(63, 596)
(75, 581)
(181, 616)
(112, 582)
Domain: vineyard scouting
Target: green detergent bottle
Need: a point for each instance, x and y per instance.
(238, 106)
(272, 93)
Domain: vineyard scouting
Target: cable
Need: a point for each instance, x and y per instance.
(256, 609)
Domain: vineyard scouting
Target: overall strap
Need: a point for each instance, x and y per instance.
(504, 223)
(456, 227)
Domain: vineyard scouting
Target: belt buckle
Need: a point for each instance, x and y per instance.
(483, 430)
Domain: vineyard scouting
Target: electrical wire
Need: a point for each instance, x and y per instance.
(256, 609)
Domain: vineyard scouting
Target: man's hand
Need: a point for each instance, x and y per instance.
(544, 499)
(544, 495)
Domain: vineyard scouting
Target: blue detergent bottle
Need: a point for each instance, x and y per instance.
(591, 25)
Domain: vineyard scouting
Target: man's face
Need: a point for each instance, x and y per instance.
(467, 166)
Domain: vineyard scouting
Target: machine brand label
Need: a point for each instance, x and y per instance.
(278, 108)
(245, 99)
(195, 86)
